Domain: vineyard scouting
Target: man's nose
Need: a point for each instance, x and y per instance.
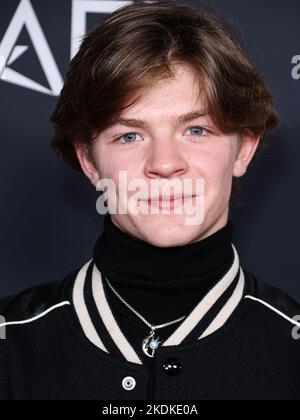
(165, 159)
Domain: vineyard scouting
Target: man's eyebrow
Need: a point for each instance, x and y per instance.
(181, 119)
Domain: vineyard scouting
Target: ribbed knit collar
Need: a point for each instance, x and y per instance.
(131, 262)
(202, 282)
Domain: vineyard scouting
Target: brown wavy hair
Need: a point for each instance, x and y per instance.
(134, 47)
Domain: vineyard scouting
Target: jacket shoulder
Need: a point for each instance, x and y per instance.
(274, 298)
(36, 299)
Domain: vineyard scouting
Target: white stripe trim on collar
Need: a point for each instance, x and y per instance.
(227, 309)
(179, 334)
(204, 305)
(109, 320)
(81, 309)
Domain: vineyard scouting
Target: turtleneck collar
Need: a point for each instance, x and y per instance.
(201, 282)
(132, 262)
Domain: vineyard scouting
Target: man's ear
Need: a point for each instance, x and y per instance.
(248, 144)
(86, 162)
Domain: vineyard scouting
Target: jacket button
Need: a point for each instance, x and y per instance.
(128, 383)
(172, 366)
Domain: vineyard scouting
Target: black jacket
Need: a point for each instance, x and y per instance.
(240, 343)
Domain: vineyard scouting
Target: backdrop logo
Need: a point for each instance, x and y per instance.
(10, 51)
(296, 68)
(25, 16)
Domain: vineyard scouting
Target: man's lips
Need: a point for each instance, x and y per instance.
(168, 202)
(169, 198)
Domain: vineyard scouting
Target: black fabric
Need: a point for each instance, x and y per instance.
(162, 284)
(252, 357)
(255, 355)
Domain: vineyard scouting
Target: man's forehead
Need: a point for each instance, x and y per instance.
(175, 119)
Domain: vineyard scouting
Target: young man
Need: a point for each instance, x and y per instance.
(161, 91)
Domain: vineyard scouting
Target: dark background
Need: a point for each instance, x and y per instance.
(48, 219)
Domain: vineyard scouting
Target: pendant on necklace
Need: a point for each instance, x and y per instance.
(150, 344)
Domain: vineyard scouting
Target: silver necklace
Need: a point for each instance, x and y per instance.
(149, 343)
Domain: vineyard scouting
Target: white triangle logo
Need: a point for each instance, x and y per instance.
(10, 52)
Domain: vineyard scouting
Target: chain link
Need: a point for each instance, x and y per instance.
(153, 327)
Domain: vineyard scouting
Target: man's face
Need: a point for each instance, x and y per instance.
(163, 150)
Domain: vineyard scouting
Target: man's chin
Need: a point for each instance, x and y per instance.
(167, 234)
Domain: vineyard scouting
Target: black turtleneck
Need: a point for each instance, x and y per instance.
(162, 284)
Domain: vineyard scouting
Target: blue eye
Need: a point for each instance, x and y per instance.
(129, 136)
(200, 131)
